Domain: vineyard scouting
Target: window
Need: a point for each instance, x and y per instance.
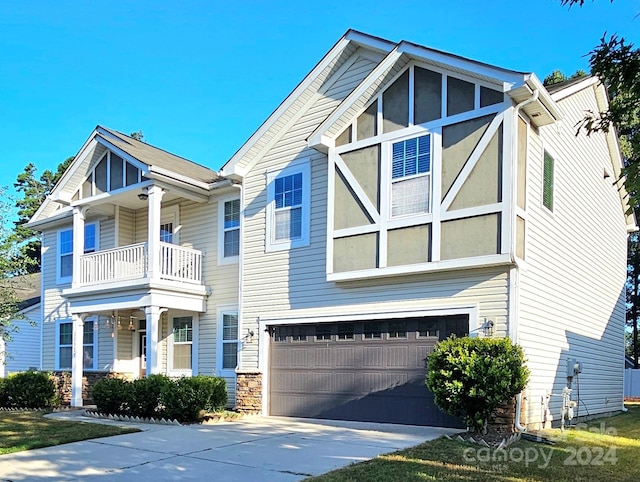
(65, 250)
(548, 181)
(65, 345)
(397, 329)
(166, 233)
(323, 333)
(299, 333)
(182, 343)
(230, 235)
(411, 176)
(64, 349)
(280, 334)
(288, 207)
(428, 328)
(345, 331)
(372, 331)
(229, 341)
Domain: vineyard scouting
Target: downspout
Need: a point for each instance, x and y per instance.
(240, 274)
(514, 275)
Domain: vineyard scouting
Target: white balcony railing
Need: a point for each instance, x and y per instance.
(132, 262)
(180, 264)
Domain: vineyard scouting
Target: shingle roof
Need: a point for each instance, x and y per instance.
(27, 289)
(553, 88)
(154, 156)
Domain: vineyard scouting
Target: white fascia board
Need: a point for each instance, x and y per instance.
(231, 166)
(369, 41)
(318, 138)
(435, 266)
(473, 67)
(79, 158)
(572, 89)
(352, 36)
(543, 96)
(65, 214)
(184, 180)
(100, 138)
(149, 169)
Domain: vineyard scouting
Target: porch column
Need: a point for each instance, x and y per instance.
(153, 338)
(77, 360)
(153, 242)
(78, 243)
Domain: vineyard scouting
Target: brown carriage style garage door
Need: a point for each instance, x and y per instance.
(370, 371)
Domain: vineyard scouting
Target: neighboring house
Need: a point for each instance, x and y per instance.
(23, 351)
(397, 196)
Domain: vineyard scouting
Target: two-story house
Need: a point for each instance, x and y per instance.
(397, 196)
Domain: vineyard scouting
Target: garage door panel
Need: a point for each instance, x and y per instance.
(363, 371)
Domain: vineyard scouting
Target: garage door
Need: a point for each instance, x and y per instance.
(371, 371)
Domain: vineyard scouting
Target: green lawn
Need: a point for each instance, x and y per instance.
(607, 449)
(31, 430)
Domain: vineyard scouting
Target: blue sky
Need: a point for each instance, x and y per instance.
(199, 77)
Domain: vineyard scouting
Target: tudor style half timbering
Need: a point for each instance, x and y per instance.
(417, 179)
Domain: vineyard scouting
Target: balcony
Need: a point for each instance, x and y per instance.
(131, 262)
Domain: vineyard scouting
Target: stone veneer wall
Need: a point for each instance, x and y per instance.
(503, 419)
(249, 392)
(62, 381)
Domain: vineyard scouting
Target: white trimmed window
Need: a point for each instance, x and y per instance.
(182, 353)
(229, 239)
(64, 345)
(411, 176)
(288, 207)
(65, 250)
(228, 342)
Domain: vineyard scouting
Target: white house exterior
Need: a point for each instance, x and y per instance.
(397, 196)
(23, 351)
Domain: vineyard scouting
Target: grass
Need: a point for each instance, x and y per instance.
(31, 430)
(602, 450)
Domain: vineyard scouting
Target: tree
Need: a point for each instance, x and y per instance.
(557, 77)
(34, 191)
(632, 287)
(11, 265)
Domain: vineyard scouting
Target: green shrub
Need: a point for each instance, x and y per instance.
(28, 390)
(188, 398)
(471, 377)
(4, 395)
(144, 395)
(111, 395)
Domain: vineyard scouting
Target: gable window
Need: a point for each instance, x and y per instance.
(230, 234)
(182, 343)
(548, 181)
(64, 345)
(288, 207)
(229, 341)
(110, 174)
(65, 250)
(411, 176)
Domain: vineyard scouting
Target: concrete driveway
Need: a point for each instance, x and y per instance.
(252, 449)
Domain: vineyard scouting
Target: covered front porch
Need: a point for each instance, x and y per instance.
(154, 331)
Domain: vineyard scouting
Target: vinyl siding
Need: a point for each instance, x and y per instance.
(198, 228)
(297, 285)
(23, 351)
(324, 81)
(572, 299)
(56, 307)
